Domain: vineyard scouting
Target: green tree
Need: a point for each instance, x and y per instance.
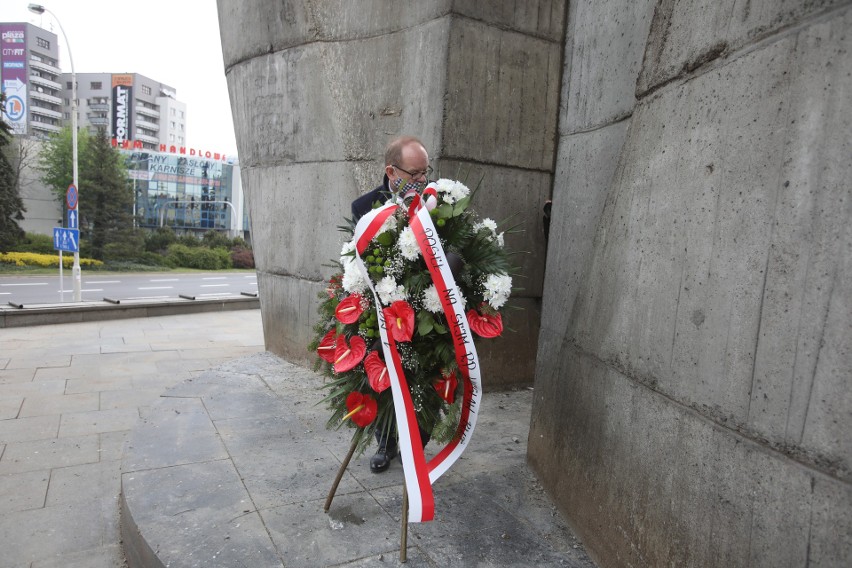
(11, 205)
(107, 201)
(56, 160)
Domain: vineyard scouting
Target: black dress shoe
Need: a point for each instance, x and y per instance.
(381, 461)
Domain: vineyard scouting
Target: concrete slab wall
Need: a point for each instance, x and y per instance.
(693, 378)
(319, 88)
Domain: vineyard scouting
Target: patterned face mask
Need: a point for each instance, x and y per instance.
(402, 188)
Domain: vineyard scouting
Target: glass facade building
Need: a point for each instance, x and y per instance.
(189, 194)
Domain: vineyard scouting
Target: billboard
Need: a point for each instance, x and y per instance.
(13, 73)
(122, 108)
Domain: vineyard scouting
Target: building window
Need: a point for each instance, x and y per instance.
(146, 90)
(68, 84)
(173, 111)
(95, 85)
(43, 43)
(181, 114)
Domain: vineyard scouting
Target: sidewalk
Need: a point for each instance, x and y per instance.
(224, 460)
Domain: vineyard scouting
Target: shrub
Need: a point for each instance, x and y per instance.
(34, 242)
(242, 258)
(188, 241)
(159, 240)
(215, 239)
(44, 260)
(201, 258)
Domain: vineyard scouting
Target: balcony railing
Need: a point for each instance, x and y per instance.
(45, 126)
(46, 67)
(147, 138)
(45, 112)
(98, 107)
(45, 82)
(147, 111)
(45, 97)
(149, 125)
(99, 120)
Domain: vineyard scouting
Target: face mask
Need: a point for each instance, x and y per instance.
(400, 186)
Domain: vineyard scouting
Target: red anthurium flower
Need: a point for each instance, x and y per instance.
(362, 408)
(327, 346)
(346, 357)
(485, 325)
(377, 372)
(349, 310)
(400, 320)
(446, 387)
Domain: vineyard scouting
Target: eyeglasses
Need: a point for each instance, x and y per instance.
(415, 175)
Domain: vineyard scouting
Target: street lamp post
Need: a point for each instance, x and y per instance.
(75, 271)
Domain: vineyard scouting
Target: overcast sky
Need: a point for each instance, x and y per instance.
(175, 42)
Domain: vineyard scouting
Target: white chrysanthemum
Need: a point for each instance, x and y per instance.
(500, 240)
(431, 301)
(348, 247)
(388, 225)
(389, 291)
(486, 223)
(353, 279)
(497, 288)
(407, 244)
(451, 190)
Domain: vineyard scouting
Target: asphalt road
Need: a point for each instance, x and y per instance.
(46, 289)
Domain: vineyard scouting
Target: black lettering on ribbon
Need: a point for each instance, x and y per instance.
(450, 295)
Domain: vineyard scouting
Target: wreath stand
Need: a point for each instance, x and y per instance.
(403, 534)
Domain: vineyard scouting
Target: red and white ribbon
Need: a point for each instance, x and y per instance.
(420, 475)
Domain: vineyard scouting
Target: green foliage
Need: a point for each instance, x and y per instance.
(106, 199)
(159, 240)
(35, 242)
(200, 257)
(11, 205)
(56, 160)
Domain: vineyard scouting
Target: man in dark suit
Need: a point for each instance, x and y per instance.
(406, 168)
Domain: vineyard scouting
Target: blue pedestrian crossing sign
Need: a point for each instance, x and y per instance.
(67, 240)
(72, 219)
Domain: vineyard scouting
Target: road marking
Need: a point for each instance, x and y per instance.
(155, 287)
(103, 281)
(89, 290)
(27, 284)
(213, 285)
(251, 276)
(215, 278)
(5, 293)
(164, 280)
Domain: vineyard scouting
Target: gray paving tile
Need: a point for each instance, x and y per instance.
(306, 536)
(25, 375)
(46, 405)
(3, 360)
(129, 398)
(111, 445)
(98, 421)
(37, 358)
(23, 491)
(25, 429)
(109, 556)
(84, 483)
(166, 438)
(199, 514)
(47, 454)
(50, 532)
(10, 406)
(33, 388)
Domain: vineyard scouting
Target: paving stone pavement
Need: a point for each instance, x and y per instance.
(69, 396)
(224, 460)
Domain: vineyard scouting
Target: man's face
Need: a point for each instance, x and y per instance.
(412, 167)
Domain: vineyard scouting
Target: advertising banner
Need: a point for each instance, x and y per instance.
(122, 108)
(13, 54)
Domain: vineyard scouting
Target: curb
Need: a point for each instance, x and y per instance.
(20, 315)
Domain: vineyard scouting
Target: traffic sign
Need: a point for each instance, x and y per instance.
(72, 220)
(71, 197)
(66, 239)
